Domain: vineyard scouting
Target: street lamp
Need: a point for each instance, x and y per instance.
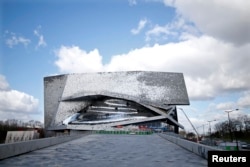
(229, 123)
(237, 146)
(203, 125)
(210, 126)
(191, 124)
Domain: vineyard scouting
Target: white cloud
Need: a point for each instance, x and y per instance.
(3, 83)
(159, 31)
(208, 71)
(132, 2)
(179, 29)
(15, 40)
(169, 2)
(73, 59)
(207, 55)
(210, 66)
(142, 23)
(213, 112)
(212, 52)
(16, 101)
(226, 106)
(41, 41)
(13, 102)
(226, 20)
(196, 121)
(244, 101)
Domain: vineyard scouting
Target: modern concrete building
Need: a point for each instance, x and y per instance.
(98, 101)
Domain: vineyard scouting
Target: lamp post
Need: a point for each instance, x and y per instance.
(210, 130)
(191, 124)
(203, 125)
(210, 126)
(237, 145)
(229, 123)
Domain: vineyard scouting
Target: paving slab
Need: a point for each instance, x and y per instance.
(106, 150)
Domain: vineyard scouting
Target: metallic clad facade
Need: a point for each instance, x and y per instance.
(65, 95)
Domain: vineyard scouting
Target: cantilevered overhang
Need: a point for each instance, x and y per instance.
(68, 94)
(154, 87)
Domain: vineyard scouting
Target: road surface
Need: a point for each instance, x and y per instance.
(106, 150)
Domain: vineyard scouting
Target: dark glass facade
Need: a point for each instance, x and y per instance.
(110, 110)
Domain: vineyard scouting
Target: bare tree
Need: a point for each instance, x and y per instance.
(190, 135)
(245, 120)
(222, 127)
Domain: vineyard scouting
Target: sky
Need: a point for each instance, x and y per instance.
(206, 40)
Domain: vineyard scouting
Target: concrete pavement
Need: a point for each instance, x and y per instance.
(103, 150)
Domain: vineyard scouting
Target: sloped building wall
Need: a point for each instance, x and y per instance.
(69, 94)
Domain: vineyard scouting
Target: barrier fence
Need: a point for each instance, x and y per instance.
(123, 132)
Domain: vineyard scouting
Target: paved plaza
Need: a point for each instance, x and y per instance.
(103, 150)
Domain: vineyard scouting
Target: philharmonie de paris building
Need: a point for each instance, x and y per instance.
(100, 101)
